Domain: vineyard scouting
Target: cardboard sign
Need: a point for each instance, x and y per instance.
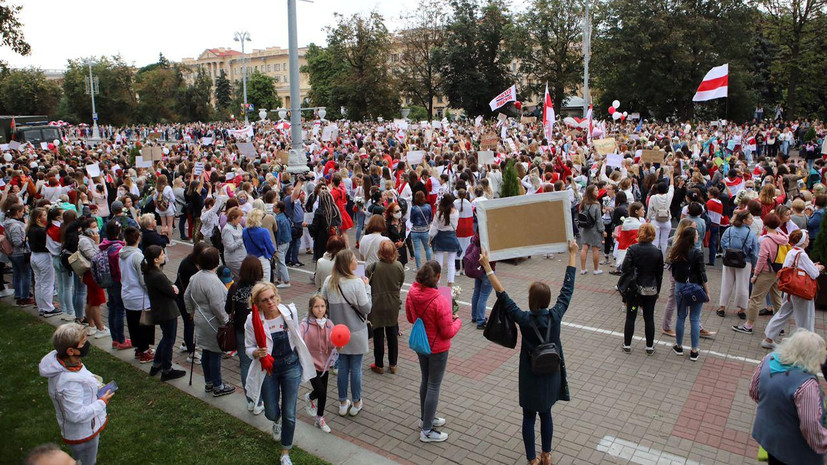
(415, 157)
(614, 160)
(652, 156)
(502, 117)
(283, 156)
(485, 157)
(198, 168)
(528, 119)
(157, 153)
(154, 135)
(328, 133)
(141, 162)
(93, 170)
(511, 144)
(247, 149)
(489, 141)
(605, 146)
(547, 216)
(146, 152)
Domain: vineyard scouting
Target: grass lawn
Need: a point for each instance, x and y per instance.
(149, 421)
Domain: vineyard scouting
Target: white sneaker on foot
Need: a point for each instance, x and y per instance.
(67, 317)
(432, 436)
(283, 285)
(436, 423)
(250, 405)
(285, 460)
(6, 292)
(322, 425)
(310, 405)
(344, 408)
(103, 333)
(277, 430)
(91, 331)
(355, 410)
(258, 409)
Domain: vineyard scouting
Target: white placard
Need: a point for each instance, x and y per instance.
(206, 141)
(511, 144)
(614, 160)
(415, 157)
(115, 168)
(14, 145)
(93, 170)
(141, 163)
(44, 145)
(429, 135)
(198, 168)
(380, 129)
(247, 149)
(436, 124)
(4, 147)
(485, 157)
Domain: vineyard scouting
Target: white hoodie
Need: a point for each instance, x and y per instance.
(80, 414)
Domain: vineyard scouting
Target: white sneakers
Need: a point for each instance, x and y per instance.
(436, 423)
(283, 285)
(350, 408)
(102, 333)
(285, 460)
(67, 317)
(344, 408)
(432, 436)
(355, 410)
(277, 432)
(321, 424)
(256, 409)
(310, 405)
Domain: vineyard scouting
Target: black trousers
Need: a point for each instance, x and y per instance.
(319, 393)
(379, 345)
(142, 336)
(646, 304)
(773, 461)
(608, 243)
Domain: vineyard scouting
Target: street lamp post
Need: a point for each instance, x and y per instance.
(587, 49)
(297, 163)
(92, 89)
(242, 37)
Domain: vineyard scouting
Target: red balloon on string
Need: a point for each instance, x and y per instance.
(340, 335)
(622, 118)
(612, 110)
(518, 104)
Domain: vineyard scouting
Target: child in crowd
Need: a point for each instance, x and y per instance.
(316, 330)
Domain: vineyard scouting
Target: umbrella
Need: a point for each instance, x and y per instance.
(261, 341)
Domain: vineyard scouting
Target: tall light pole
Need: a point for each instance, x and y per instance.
(242, 37)
(587, 50)
(92, 88)
(297, 163)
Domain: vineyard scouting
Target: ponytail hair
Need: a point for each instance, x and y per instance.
(150, 254)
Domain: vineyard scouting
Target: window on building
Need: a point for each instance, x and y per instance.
(277, 66)
(284, 78)
(439, 99)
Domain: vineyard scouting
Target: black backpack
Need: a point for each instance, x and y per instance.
(545, 358)
(584, 219)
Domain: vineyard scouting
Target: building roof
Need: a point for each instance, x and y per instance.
(223, 52)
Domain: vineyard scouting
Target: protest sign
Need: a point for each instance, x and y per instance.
(605, 146)
(247, 149)
(158, 153)
(614, 160)
(511, 145)
(14, 145)
(485, 157)
(429, 135)
(436, 124)
(652, 156)
(93, 170)
(154, 135)
(206, 141)
(489, 141)
(44, 145)
(329, 133)
(198, 168)
(547, 218)
(415, 157)
(141, 162)
(283, 156)
(502, 117)
(528, 119)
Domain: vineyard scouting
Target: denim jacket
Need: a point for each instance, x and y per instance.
(740, 237)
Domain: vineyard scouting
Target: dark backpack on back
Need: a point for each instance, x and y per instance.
(545, 358)
(584, 219)
(471, 261)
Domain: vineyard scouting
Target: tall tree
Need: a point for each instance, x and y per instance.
(159, 92)
(322, 70)
(28, 92)
(474, 60)
(421, 38)
(116, 102)
(194, 99)
(223, 91)
(360, 49)
(11, 30)
(261, 92)
(545, 41)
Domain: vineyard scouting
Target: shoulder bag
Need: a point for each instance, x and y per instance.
(736, 258)
(79, 263)
(225, 335)
(692, 292)
(146, 315)
(797, 282)
(500, 328)
(361, 317)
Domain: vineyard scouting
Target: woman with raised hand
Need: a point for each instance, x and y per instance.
(540, 325)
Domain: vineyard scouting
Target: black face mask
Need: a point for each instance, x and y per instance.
(84, 349)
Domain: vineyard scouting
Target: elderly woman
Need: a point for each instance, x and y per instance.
(374, 235)
(386, 277)
(281, 361)
(204, 299)
(349, 300)
(74, 390)
(149, 232)
(803, 311)
(540, 325)
(234, 249)
(644, 261)
(788, 421)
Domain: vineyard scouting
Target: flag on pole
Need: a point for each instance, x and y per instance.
(548, 116)
(13, 127)
(591, 125)
(715, 84)
(508, 95)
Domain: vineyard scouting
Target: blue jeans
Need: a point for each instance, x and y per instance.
(211, 364)
(244, 361)
(163, 352)
(284, 380)
(79, 296)
(350, 368)
(281, 266)
(116, 312)
(546, 432)
(21, 275)
(360, 224)
(423, 238)
(482, 289)
(714, 231)
(65, 287)
(694, 318)
(182, 223)
(293, 250)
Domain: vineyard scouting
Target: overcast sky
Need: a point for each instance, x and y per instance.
(58, 31)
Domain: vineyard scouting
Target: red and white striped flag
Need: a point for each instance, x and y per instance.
(591, 125)
(548, 116)
(715, 84)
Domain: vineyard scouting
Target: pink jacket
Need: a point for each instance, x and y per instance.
(436, 313)
(768, 250)
(317, 340)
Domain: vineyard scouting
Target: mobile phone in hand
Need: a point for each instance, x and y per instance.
(109, 387)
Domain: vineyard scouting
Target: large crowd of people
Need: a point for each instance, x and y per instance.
(87, 224)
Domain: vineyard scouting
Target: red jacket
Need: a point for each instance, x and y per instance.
(436, 313)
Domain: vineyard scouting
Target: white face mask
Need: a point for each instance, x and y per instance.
(397, 215)
(321, 321)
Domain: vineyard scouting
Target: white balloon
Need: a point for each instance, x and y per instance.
(625, 114)
(616, 104)
(616, 115)
(56, 142)
(7, 156)
(688, 127)
(166, 151)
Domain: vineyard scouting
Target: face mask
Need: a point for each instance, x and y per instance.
(84, 350)
(242, 201)
(321, 321)
(397, 215)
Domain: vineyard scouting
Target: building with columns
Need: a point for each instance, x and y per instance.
(271, 61)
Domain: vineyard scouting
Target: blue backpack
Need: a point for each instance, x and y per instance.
(418, 340)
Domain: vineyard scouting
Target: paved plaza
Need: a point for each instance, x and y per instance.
(625, 408)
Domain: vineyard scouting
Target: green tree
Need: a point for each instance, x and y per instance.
(322, 70)
(474, 61)
(11, 30)
(360, 49)
(223, 92)
(159, 94)
(194, 99)
(28, 92)
(545, 41)
(116, 103)
(420, 40)
(261, 92)
(511, 181)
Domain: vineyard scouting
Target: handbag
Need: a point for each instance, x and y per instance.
(545, 358)
(692, 292)
(361, 317)
(797, 282)
(80, 264)
(500, 328)
(736, 258)
(146, 315)
(226, 333)
(418, 340)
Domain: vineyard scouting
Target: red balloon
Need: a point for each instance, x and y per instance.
(518, 104)
(612, 110)
(622, 118)
(340, 335)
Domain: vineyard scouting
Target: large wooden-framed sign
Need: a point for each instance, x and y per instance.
(525, 225)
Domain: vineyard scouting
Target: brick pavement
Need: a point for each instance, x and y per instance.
(625, 408)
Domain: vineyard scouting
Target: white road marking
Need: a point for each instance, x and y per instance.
(636, 453)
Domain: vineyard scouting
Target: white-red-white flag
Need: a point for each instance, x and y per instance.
(591, 123)
(715, 84)
(548, 116)
(508, 95)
